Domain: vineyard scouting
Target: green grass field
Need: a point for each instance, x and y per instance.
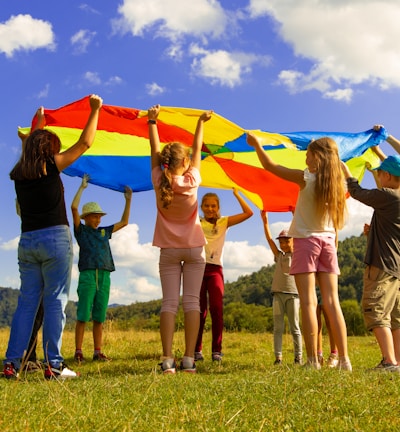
(244, 393)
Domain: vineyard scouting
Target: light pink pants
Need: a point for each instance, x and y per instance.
(184, 266)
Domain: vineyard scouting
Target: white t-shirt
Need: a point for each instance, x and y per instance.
(306, 223)
(215, 236)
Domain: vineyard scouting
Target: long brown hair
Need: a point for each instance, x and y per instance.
(329, 187)
(38, 150)
(171, 156)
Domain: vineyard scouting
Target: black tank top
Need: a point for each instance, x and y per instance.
(42, 200)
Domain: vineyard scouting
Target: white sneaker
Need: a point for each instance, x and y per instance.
(333, 361)
(312, 365)
(62, 372)
(345, 365)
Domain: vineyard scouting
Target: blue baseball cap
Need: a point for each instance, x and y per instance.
(391, 165)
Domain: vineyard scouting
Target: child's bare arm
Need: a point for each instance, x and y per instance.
(247, 212)
(40, 124)
(85, 141)
(289, 174)
(154, 138)
(77, 199)
(198, 138)
(127, 209)
(267, 232)
(394, 142)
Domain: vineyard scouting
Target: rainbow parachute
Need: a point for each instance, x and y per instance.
(120, 154)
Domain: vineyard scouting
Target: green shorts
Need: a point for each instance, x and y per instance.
(381, 299)
(93, 294)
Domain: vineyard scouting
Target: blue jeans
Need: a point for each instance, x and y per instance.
(45, 260)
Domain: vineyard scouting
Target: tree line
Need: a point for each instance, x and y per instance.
(247, 301)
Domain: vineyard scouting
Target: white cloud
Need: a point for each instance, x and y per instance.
(345, 94)
(10, 245)
(44, 92)
(175, 51)
(346, 43)
(24, 33)
(207, 21)
(171, 19)
(94, 79)
(81, 40)
(223, 67)
(154, 89)
(87, 8)
(358, 214)
(240, 259)
(114, 80)
(136, 289)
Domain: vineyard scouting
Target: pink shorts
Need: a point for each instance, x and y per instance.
(313, 255)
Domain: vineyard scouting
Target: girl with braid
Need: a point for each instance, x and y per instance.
(178, 234)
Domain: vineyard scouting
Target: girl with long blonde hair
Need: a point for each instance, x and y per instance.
(319, 214)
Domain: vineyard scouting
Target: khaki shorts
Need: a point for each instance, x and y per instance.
(381, 299)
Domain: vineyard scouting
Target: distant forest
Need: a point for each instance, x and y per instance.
(247, 301)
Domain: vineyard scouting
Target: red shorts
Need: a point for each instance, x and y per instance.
(313, 255)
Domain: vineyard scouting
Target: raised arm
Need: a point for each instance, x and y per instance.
(267, 232)
(346, 171)
(394, 142)
(66, 158)
(292, 175)
(154, 139)
(198, 138)
(247, 211)
(127, 209)
(40, 124)
(77, 200)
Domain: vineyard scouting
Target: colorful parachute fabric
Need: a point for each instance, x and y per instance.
(120, 154)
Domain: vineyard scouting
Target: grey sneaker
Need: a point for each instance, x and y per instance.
(198, 356)
(298, 360)
(101, 357)
(188, 369)
(217, 356)
(385, 366)
(312, 365)
(168, 366)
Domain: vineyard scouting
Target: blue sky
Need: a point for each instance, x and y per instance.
(281, 66)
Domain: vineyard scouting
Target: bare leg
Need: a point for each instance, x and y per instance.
(384, 338)
(79, 332)
(167, 329)
(305, 283)
(192, 323)
(97, 335)
(330, 299)
(332, 343)
(319, 321)
(396, 343)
